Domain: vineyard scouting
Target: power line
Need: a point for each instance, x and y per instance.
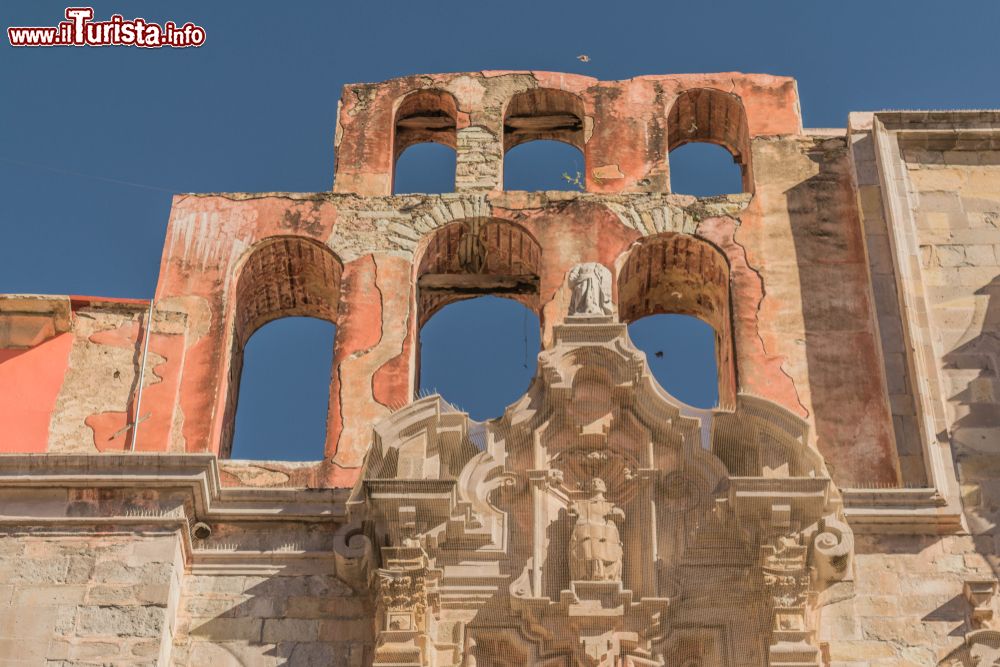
(92, 176)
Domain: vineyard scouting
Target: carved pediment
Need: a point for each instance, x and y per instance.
(577, 528)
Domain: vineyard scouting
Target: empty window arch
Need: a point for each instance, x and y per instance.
(480, 354)
(678, 274)
(680, 351)
(704, 170)
(543, 141)
(285, 391)
(425, 117)
(478, 350)
(543, 165)
(425, 168)
(295, 280)
(703, 125)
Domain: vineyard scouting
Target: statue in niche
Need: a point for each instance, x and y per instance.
(595, 548)
(591, 285)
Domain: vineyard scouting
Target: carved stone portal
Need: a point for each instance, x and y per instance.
(596, 523)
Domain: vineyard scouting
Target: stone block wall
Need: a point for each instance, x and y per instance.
(904, 607)
(72, 597)
(286, 618)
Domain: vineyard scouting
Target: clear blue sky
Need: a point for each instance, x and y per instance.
(94, 141)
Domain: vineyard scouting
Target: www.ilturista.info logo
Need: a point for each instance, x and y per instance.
(81, 30)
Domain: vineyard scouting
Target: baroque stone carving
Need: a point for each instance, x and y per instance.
(596, 522)
(595, 549)
(591, 289)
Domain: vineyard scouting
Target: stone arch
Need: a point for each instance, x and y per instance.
(711, 116)
(477, 257)
(543, 113)
(282, 276)
(424, 116)
(672, 273)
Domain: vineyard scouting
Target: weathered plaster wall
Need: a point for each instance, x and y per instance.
(816, 321)
(625, 134)
(900, 382)
(804, 333)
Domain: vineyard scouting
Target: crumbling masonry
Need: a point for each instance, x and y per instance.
(838, 507)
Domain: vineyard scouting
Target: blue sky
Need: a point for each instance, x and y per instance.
(94, 141)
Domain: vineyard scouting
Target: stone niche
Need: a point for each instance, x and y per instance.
(599, 521)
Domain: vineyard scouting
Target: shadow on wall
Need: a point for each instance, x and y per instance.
(977, 423)
(848, 399)
(279, 620)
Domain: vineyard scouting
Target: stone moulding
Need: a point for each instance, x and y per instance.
(935, 509)
(169, 492)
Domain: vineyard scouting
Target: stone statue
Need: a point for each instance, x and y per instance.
(591, 285)
(595, 548)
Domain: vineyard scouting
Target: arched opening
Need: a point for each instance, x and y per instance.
(680, 351)
(539, 121)
(284, 277)
(543, 165)
(480, 354)
(425, 117)
(459, 264)
(675, 274)
(285, 391)
(704, 170)
(426, 169)
(707, 116)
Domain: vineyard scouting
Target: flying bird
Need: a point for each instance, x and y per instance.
(583, 57)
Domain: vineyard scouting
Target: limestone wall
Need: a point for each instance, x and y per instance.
(74, 597)
(286, 618)
(905, 606)
(955, 196)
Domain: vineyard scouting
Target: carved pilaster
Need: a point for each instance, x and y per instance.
(798, 566)
(786, 580)
(405, 598)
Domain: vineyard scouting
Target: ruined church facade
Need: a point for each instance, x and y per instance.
(836, 508)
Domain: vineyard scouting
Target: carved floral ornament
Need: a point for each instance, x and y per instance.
(596, 522)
